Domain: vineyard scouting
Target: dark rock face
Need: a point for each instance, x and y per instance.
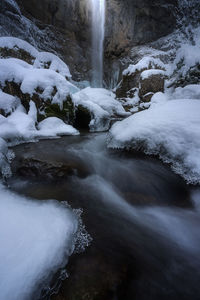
(33, 21)
(134, 22)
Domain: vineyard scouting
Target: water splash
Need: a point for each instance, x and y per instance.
(98, 31)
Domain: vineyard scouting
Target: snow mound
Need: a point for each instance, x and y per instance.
(148, 73)
(36, 240)
(146, 62)
(102, 105)
(40, 59)
(53, 126)
(170, 130)
(54, 87)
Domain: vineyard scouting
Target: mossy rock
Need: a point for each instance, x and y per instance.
(13, 89)
(66, 113)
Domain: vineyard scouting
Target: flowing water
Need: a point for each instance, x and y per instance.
(143, 218)
(98, 23)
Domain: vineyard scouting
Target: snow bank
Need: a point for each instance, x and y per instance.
(53, 126)
(102, 105)
(146, 62)
(36, 239)
(54, 86)
(191, 91)
(148, 73)
(40, 59)
(170, 130)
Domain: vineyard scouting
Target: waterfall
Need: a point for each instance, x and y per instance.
(98, 30)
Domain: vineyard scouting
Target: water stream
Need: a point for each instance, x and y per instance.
(143, 218)
(98, 23)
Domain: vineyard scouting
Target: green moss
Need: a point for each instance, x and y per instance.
(66, 113)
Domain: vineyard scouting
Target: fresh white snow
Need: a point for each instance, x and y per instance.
(53, 126)
(36, 239)
(170, 130)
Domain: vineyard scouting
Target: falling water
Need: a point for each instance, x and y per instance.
(98, 22)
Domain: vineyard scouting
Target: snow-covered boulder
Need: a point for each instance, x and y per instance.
(101, 105)
(17, 48)
(151, 81)
(45, 87)
(135, 73)
(170, 130)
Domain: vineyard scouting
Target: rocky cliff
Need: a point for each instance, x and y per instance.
(63, 26)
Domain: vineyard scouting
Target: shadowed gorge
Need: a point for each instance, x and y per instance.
(99, 149)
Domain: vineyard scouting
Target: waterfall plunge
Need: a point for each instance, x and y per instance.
(98, 22)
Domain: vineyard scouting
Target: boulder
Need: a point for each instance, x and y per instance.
(128, 82)
(151, 85)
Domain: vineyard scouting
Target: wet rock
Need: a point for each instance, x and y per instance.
(91, 277)
(48, 170)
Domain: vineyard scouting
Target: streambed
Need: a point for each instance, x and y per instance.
(143, 218)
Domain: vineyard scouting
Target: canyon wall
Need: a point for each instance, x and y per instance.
(64, 27)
